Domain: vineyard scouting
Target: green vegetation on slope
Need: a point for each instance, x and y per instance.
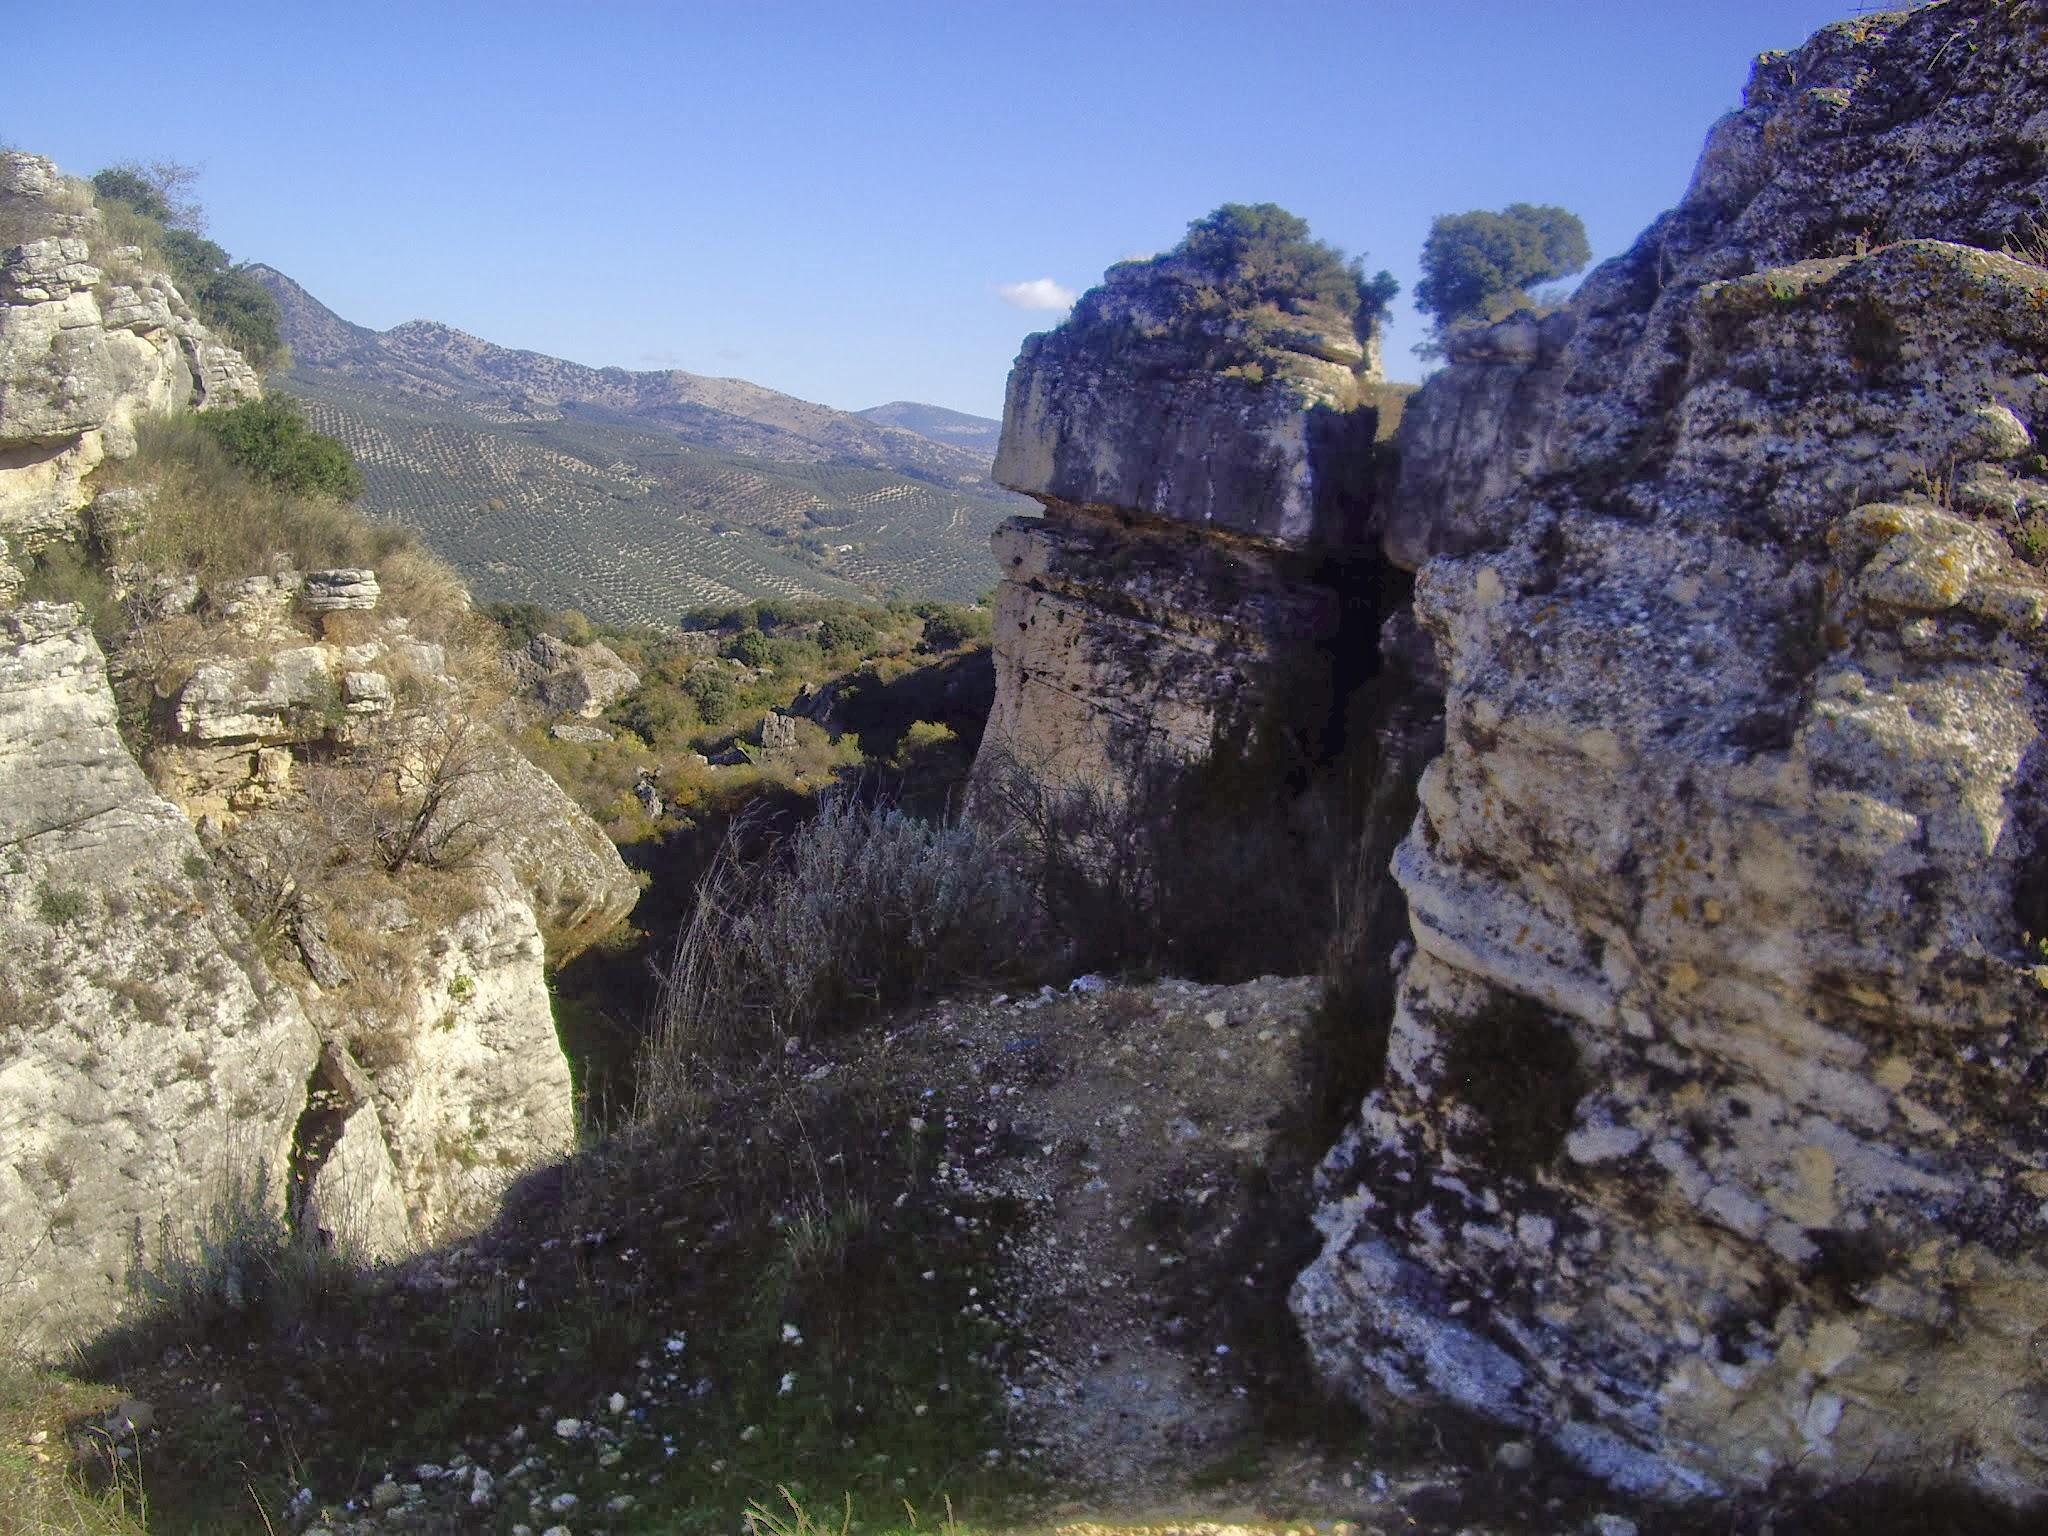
(271, 440)
(628, 524)
(150, 206)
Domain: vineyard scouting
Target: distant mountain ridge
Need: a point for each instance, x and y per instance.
(440, 362)
(976, 434)
(636, 495)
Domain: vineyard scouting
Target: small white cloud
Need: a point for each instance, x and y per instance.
(1038, 293)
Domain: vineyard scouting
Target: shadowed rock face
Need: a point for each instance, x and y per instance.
(1737, 842)
(1188, 467)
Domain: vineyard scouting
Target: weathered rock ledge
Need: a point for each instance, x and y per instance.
(1187, 507)
(1711, 1142)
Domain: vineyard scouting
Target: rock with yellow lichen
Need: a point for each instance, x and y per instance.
(1711, 1141)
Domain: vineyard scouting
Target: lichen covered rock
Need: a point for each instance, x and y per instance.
(1150, 400)
(1193, 430)
(1711, 1139)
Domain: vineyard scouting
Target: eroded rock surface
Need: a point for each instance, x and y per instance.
(1711, 1140)
(90, 344)
(424, 872)
(1189, 457)
(150, 1067)
(1115, 642)
(335, 854)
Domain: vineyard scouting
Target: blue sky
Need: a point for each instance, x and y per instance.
(827, 198)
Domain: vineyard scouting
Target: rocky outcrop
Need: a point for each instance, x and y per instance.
(425, 874)
(1711, 1141)
(1474, 434)
(299, 969)
(90, 344)
(457, 1085)
(1195, 465)
(1121, 408)
(1115, 642)
(150, 1067)
(570, 679)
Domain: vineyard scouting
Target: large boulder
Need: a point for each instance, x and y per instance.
(1711, 1141)
(1195, 456)
(574, 679)
(1141, 403)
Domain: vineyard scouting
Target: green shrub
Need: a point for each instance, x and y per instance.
(151, 206)
(1237, 294)
(846, 634)
(1480, 265)
(59, 905)
(272, 439)
(749, 646)
(714, 693)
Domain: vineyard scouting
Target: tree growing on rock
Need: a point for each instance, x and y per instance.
(162, 215)
(1480, 265)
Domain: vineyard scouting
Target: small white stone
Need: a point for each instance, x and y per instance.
(569, 1429)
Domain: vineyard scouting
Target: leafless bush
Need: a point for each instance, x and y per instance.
(862, 907)
(440, 814)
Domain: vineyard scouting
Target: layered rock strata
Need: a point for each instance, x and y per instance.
(1188, 496)
(1711, 1141)
(90, 345)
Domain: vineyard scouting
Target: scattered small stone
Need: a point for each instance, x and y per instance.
(569, 1429)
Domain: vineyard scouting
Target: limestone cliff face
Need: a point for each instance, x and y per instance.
(149, 1062)
(1711, 1142)
(1189, 479)
(90, 344)
(300, 960)
(309, 764)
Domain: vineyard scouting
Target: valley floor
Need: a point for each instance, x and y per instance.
(1003, 1263)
